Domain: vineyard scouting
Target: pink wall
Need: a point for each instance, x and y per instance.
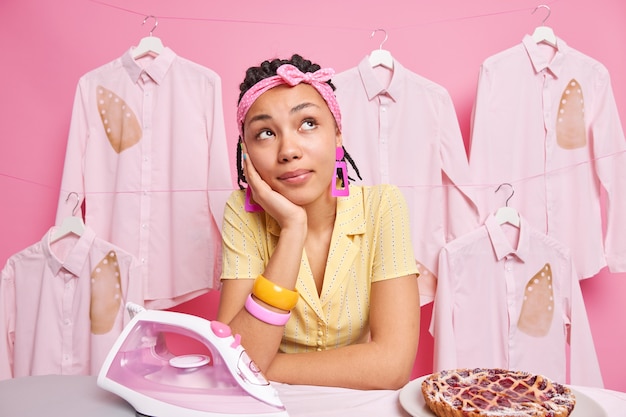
(46, 46)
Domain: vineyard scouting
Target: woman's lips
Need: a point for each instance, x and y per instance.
(295, 176)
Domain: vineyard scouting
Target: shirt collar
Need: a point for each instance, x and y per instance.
(76, 257)
(540, 61)
(351, 213)
(350, 219)
(501, 245)
(156, 69)
(373, 87)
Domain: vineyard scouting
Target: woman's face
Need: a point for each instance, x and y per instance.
(291, 137)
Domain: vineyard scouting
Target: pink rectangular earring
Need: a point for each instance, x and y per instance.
(249, 205)
(339, 187)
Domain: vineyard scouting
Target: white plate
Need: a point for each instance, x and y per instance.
(412, 401)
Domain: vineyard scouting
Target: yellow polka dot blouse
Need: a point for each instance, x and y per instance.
(371, 242)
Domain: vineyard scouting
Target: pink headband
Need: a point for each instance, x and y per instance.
(292, 76)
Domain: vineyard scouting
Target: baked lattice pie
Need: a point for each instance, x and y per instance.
(495, 392)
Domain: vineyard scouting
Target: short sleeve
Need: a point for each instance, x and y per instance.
(393, 252)
(246, 243)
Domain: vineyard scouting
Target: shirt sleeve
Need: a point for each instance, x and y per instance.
(394, 252)
(243, 252)
(584, 365)
(480, 168)
(609, 146)
(219, 180)
(73, 173)
(441, 323)
(462, 213)
(7, 321)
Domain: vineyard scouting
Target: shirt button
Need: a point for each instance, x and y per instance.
(319, 349)
(319, 343)
(320, 333)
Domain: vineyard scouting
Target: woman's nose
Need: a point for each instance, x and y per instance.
(289, 149)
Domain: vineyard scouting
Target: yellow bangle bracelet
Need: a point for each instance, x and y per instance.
(274, 295)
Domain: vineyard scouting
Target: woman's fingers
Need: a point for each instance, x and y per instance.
(254, 180)
(274, 203)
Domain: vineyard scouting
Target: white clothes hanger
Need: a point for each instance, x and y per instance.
(71, 224)
(381, 56)
(150, 45)
(507, 214)
(544, 33)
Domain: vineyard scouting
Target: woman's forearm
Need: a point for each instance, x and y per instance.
(386, 362)
(260, 339)
(284, 264)
(361, 366)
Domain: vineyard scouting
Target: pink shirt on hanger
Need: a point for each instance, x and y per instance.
(63, 305)
(510, 298)
(147, 151)
(546, 122)
(407, 134)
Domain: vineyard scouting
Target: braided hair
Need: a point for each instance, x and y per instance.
(268, 69)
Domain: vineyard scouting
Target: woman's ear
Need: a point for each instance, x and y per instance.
(338, 138)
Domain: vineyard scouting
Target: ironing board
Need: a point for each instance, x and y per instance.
(79, 396)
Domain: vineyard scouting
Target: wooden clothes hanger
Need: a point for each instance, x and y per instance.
(71, 224)
(381, 56)
(150, 45)
(543, 33)
(507, 214)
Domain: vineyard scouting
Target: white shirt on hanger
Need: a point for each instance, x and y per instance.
(510, 298)
(63, 305)
(545, 121)
(407, 134)
(147, 151)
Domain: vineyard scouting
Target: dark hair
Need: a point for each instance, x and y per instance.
(268, 69)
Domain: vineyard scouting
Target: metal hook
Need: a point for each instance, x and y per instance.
(156, 23)
(547, 16)
(384, 40)
(77, 202)
(512, 192)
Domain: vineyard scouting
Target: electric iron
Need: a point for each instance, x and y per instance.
(224, 382)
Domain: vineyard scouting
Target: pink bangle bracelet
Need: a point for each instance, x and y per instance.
(265, 315)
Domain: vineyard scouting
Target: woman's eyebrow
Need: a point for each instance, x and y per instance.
(295, 109)
(259, 117)
(302, 106)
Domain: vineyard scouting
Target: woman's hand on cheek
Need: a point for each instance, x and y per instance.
(275, 204)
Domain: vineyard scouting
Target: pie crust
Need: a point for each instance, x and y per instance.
(495, 392)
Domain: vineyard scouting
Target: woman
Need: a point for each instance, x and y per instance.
(320, 285)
